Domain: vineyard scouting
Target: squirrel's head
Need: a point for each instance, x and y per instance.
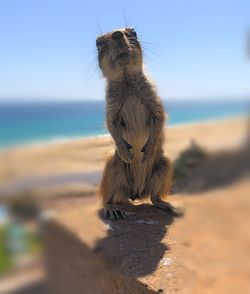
(119, 53)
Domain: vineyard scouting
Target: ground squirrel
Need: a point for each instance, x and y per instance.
(135, 119)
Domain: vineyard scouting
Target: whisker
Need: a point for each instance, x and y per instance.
(151, 47)
(150, 50)
(148, 57)
(93, 65)
(97, 23)
(149, 44)
(124, 18)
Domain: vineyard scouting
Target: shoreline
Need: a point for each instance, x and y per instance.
(65, 140)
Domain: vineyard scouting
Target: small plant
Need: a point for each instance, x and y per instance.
(16, 241)
(189, 158)
(24, 206)
(5, 256)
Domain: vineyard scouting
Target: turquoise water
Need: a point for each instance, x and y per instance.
(30, 122)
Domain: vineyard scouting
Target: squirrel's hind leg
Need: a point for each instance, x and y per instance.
(114, 188)
(161, 178)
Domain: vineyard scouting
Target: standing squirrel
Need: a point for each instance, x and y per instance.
(135, 119)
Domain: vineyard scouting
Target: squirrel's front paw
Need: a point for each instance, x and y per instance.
(148, 152)
(123, 151)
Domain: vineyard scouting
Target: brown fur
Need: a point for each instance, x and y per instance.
(135, 120)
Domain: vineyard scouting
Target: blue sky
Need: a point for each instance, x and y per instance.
(196, 48)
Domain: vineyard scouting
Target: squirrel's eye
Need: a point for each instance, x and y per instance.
(133, 33)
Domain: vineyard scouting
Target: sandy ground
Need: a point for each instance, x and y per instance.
(205, 251)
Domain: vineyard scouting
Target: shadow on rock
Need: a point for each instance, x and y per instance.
(133, 246)
(73, 267)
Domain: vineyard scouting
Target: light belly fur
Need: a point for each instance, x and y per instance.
(136, 134)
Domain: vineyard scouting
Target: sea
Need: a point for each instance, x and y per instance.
(23, 123)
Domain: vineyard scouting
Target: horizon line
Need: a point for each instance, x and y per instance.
(85, 99)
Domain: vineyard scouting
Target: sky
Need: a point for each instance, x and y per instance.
(193, 49)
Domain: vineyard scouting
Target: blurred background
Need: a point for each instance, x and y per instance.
(53, 140)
